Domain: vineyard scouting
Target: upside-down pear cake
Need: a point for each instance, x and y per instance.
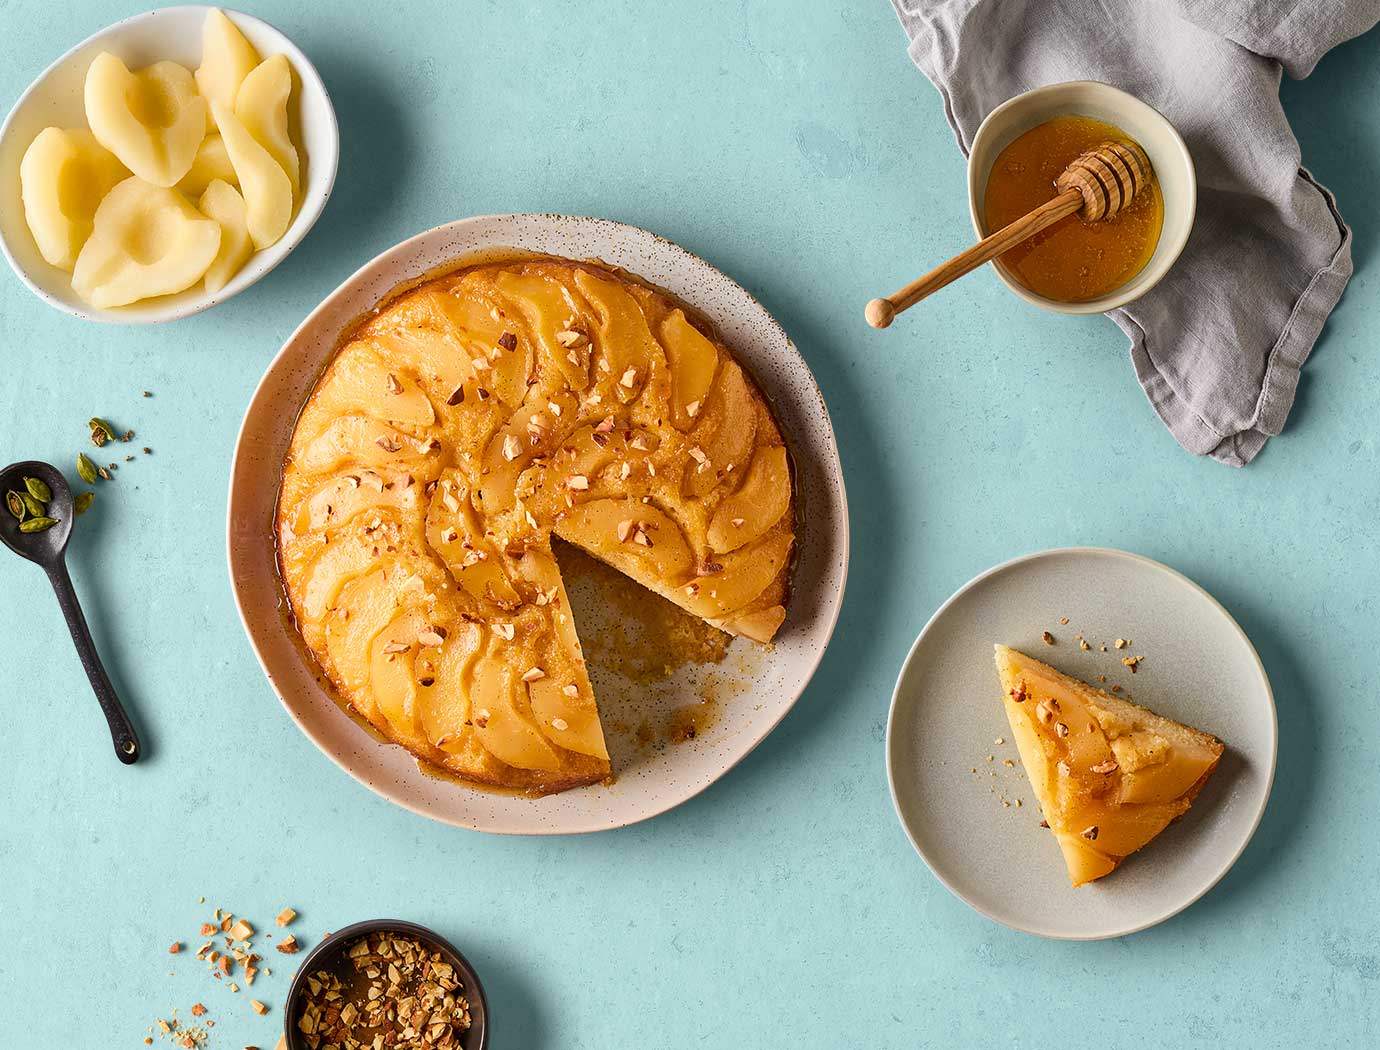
(1109, 775)
(454, 433)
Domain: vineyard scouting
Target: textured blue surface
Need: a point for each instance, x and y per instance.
(794, 146)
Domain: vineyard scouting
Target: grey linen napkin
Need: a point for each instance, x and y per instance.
(1218, 344)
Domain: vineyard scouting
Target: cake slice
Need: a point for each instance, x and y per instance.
(1109, 775)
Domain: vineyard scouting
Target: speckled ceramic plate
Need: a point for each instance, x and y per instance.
(956, 797)
(756, 686)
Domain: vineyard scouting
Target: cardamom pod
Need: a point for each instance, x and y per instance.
(86, 470)
(101, 431)
(39, 524)
(16, 505)
(83, 501)
(36, 509)
(38, 489)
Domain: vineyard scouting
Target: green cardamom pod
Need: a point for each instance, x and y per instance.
(83, 501)
(86, 470)
(16, 505)
(101, 431)
(38, 489)
(39, 524)
(35, 508)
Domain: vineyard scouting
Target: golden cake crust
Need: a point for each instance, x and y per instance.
(1109, 775)
(460, 427)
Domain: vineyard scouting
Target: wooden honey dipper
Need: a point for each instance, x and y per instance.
(1097, 184)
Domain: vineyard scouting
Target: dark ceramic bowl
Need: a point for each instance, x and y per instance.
(326, 955)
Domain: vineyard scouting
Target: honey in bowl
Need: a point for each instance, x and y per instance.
(1075, 259)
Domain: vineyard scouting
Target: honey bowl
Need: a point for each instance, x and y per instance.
(1174, 189)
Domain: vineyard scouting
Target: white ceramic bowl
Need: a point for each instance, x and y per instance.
(757, 685)
(55, 98)
(1169, 156)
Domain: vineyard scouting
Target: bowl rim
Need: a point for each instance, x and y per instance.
(1126, 293)
(337, 939)
(303, 220)
(1228, 862)
(834, 469)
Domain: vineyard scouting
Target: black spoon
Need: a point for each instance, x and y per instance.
(47, 549)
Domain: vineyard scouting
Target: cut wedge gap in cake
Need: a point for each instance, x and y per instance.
(1108, 774)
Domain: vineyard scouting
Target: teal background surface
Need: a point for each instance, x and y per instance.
(794, 146)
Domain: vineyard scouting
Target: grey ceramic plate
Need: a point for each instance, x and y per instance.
(760, 684)
(946, 718)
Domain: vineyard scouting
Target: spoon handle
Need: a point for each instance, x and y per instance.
(121, 729)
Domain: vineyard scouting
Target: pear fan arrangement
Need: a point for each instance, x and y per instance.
(180, 177)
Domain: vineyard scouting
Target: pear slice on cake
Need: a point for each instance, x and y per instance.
(1109, 775)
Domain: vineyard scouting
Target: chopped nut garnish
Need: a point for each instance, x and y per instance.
(625, 529)
(432, 636)
(629, 378)
(504, 631)
(1133, 662)
(1121, 643)
(1047, 638)
(405, 996)
(508, 341)
(1090, 833)
(560, 725)
(571, 690)
(1083, 645)
(1108, 766)
(571, 339)
(1019, 694)
(533, 674)
(241, 931)
(288, 945)
(394, 387)
(1060, 729)
(578, 482)
(1063, 619)
(1044, 712)
(512, 447)
(259, 1008)
(175, 947)
(692, 409)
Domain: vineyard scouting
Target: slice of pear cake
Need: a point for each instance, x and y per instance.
(1109, 775)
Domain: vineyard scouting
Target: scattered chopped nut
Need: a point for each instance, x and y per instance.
(259, 1008)
(1047, 638)
(288, 945)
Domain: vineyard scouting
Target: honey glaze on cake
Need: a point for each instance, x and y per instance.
(455, 432)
